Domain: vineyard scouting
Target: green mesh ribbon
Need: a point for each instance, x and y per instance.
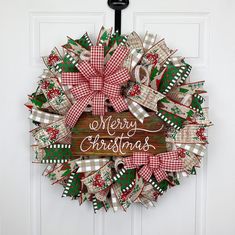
(172, 75)
(197, 102)
(57, 155)
(38, 100)
(116, 39)
(159, 186)
(68, 64)
(127, 178)
(97, 204)
(73, 186)
(171, 119)
(84, 41)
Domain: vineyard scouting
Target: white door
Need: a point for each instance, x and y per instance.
(203, 31)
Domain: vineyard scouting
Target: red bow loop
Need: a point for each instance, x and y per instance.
(140, 158)
(95, 83)
(170, 161)
(72, 79)
(80, 91)
(87, 70)
(111, 90)
(118, 77)
(116, 60)
(155, 164)
(97, 59)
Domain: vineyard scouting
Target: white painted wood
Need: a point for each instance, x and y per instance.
(46, 27)
(184, 31)
(202, 31)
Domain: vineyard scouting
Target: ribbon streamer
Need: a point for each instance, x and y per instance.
(149, 40)
(137, 110)
(198, 149)
(133, 106)
(100, 180)
(51, 133)
(189, 134)
(114, 200)
(55, 95)
(43, 117)
(91, 164)
(144, 96)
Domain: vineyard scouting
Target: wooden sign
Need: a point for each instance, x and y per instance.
(117, 134)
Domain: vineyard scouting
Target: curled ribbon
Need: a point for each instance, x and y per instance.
(133, 106)
(142, 79)
(95, 82)
(154, 164)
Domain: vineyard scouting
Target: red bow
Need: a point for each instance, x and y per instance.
(94, 82)
(157, 165)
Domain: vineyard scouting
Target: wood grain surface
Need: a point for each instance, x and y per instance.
(117, 134)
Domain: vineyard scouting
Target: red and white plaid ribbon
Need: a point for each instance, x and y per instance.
(154, 164)
(95, 82)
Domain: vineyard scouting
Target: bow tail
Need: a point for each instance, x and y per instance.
(145, 172)
(76, 110)
(159, 174)
(119, 103)
(98, 104)
(102, 195)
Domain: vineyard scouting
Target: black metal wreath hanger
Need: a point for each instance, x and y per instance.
(118, 6)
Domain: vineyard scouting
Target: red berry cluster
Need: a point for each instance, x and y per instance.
(153, 58)
(52, 132)
(98, 181)
(124, 195)
(52, 93)
(52, 59)
(201, 133)
(181, 153)
(135, 90)
(45, 85)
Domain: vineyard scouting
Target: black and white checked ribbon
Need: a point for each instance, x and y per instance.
(91, 164)
(198, 149)
(43, 117)
(149, 40)
(137, 110)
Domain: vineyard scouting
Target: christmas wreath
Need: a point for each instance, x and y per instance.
(118, 122)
